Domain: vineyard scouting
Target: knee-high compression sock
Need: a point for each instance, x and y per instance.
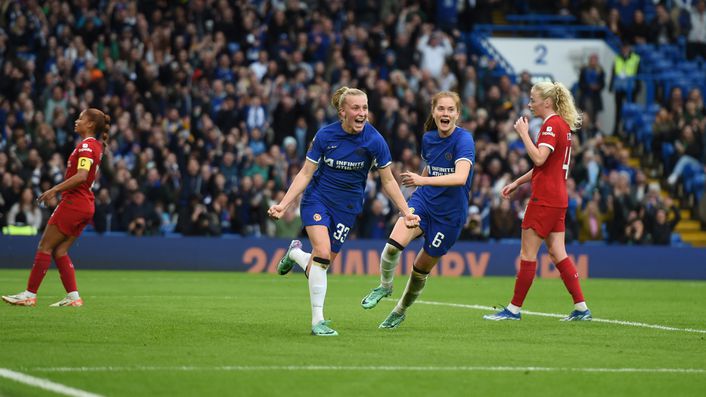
(388, 262)
(317, 288)
(41, 264)
(523, 282)
(67, 273)
(414, 288)
(570, 277)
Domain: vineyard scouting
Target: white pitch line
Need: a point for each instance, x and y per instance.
(45, 384)
(555, 315)
(265, 368)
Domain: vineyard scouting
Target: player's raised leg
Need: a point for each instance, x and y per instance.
(294, 256)
(400, 237)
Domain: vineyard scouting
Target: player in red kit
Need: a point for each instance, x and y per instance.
(544, 217)
(74, 212)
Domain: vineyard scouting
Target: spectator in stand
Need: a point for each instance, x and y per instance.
(592, 220)
(27, 206)
(591, 84)
(503, 221)
(662, 227)
(622, 81)
(696, 40)
(663, 29)
(434, 47)
(639, 31)
(690, 151)
(614, 24)
(635, 232)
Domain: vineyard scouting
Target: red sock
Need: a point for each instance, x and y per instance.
(67, 273)
(570, 278)
(39, 269)
(523, 282)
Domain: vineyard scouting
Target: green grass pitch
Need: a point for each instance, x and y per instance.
(145, 333)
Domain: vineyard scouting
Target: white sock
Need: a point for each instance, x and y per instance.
(29, 294)
(513, 309)
(388, 263)
(73, 295)
(581, 306)
(317, 292)
(300, 257)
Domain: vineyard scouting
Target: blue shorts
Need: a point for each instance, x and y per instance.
(439, 237)
(339, 223)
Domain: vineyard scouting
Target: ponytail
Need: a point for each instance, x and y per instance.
(106, 131)
(562, 100)
(430, 124)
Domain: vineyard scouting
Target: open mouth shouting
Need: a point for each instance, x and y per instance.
(358, 123)
(444, 123)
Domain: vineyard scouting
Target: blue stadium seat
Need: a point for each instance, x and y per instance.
(653, 108)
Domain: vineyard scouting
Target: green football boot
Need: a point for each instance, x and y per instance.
(393, 320)
(375, 296)
(322, 329)
(286, 264)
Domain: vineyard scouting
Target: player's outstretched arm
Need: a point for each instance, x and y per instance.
(392, 190)
(507, 190)
(295, 189)
(458, 178)
(77, 179)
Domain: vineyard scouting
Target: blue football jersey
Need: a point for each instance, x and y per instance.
(450, 204)
(344, 162)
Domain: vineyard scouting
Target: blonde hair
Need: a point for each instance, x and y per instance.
(430, 124)
(339, 97)
(562, 101)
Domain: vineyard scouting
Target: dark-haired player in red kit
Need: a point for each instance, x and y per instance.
(544, 217)
(74, 212)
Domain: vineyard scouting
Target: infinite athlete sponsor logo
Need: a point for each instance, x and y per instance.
(344, 165)
(439, 171)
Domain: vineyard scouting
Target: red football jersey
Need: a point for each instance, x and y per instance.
(87, 154)
(549, 179)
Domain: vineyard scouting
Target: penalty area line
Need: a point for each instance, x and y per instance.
(555, 315)
(44, 384)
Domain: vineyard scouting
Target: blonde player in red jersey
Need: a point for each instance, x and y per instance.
(544, 217)
(74, 212)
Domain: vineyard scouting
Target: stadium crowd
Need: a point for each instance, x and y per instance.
(214, 103)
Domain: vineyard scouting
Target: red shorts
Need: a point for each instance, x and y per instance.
(544, 220)
(70, 221)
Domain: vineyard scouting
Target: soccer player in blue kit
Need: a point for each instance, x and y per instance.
(441, 201)
(334, 176)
